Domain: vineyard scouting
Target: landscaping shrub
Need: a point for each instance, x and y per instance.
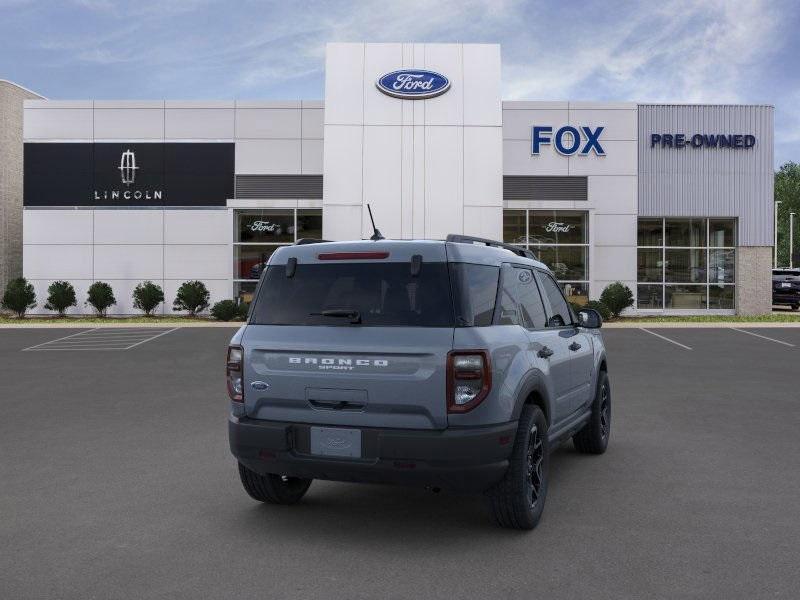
(19, 297)
(224, 310)
(192, 296)
(147, 296)
(101, 297)
(60, 296)
(242, 310)
(617, 297)
(599, 307)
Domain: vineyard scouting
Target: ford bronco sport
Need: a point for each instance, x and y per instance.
(452, 364)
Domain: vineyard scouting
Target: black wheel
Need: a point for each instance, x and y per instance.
(275, 489)
(593, 438)
(518, 500)
(795, 306)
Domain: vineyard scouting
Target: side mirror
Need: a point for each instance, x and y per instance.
(590, 318)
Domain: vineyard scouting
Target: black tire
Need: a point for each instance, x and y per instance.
(275, 489)
(593, 438)
(795, 306)
(518, 500)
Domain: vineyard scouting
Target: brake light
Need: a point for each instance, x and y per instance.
(469, 379)
(233, 373)
(352, 255)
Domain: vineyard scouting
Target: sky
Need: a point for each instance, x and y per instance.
(713, 51)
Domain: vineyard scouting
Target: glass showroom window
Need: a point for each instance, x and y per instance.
(686, 264)
(258, 233)
(560, 238)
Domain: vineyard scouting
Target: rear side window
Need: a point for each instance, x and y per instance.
(384, 294)
(474, 293)
(520, 301)
(559, 307)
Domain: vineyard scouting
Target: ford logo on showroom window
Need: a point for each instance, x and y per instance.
(413, 84)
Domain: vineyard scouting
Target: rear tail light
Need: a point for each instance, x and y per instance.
(233, 373)
(469, 379)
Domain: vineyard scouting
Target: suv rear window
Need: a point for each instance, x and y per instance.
(783, 273)
(384, 294)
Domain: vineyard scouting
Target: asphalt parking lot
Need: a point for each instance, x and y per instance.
(116, 482)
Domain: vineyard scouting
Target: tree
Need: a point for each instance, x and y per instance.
(19, 297)
(60, 296)
(617, 297)
(101, 297)
(787, 191)
(192, 296)
(147, 296)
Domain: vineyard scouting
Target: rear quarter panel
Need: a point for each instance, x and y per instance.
(507, 346)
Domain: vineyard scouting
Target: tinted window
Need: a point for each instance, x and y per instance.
(384, 294)
(520, 302)
(785, 274)
(474, 292)
(559, 307)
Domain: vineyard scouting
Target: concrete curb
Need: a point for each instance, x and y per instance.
(684, 325)
(78, 325)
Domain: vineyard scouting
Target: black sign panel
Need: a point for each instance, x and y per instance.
(128, 174)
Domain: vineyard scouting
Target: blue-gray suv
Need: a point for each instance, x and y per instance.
(453, 364)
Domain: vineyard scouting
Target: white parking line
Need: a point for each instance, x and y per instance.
(98, 339)
(658, 335)
(763, 337)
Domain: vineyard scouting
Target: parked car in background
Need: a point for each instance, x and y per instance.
(786, 287)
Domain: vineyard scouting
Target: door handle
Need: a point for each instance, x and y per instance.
(574, 346)
(545, 352)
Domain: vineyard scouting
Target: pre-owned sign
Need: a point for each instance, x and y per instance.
(702, 140)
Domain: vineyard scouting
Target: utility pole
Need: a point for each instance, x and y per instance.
(777, 202)
(791, 239)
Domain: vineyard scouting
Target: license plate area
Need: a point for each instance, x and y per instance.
(335, 441)
(786, 285)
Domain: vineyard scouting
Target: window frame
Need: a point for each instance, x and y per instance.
(498, 306)
(549, 307)
(707, 249)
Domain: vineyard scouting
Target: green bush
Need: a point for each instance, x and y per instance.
(60, 296)
(224, 310)
(241, 311)
(100, 297)
(599, 307)
(192, 296)
(147, 296)
(617, 297)
(19, 297)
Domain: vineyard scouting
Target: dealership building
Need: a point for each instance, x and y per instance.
(674, 200)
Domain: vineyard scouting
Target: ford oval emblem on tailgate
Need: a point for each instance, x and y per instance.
(259, 385)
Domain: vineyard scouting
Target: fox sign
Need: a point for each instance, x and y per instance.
(568, 140)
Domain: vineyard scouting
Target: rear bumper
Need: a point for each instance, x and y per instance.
(465, 459)
(789, 297)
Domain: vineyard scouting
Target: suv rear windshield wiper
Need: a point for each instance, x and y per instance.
(344, 313)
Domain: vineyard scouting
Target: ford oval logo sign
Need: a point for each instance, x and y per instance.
(413, 84)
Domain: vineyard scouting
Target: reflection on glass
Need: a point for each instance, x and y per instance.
(566, 262)
(649, 264)
(685, 266)
(685, 296)
(650, 232)
(722, 232)
(576, 293)
(243, 291)
(309, 224)
(721, 266)
(514, 227)
(649, 296)
(685, 232)
(249, 261)
(558, 227)
(721, 296)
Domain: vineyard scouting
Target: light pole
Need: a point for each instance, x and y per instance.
(791, 238)
(777, 202)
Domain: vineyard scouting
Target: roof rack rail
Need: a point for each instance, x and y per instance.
(304, 241)
(468, 239)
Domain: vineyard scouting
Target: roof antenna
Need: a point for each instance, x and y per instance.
(377, 235)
